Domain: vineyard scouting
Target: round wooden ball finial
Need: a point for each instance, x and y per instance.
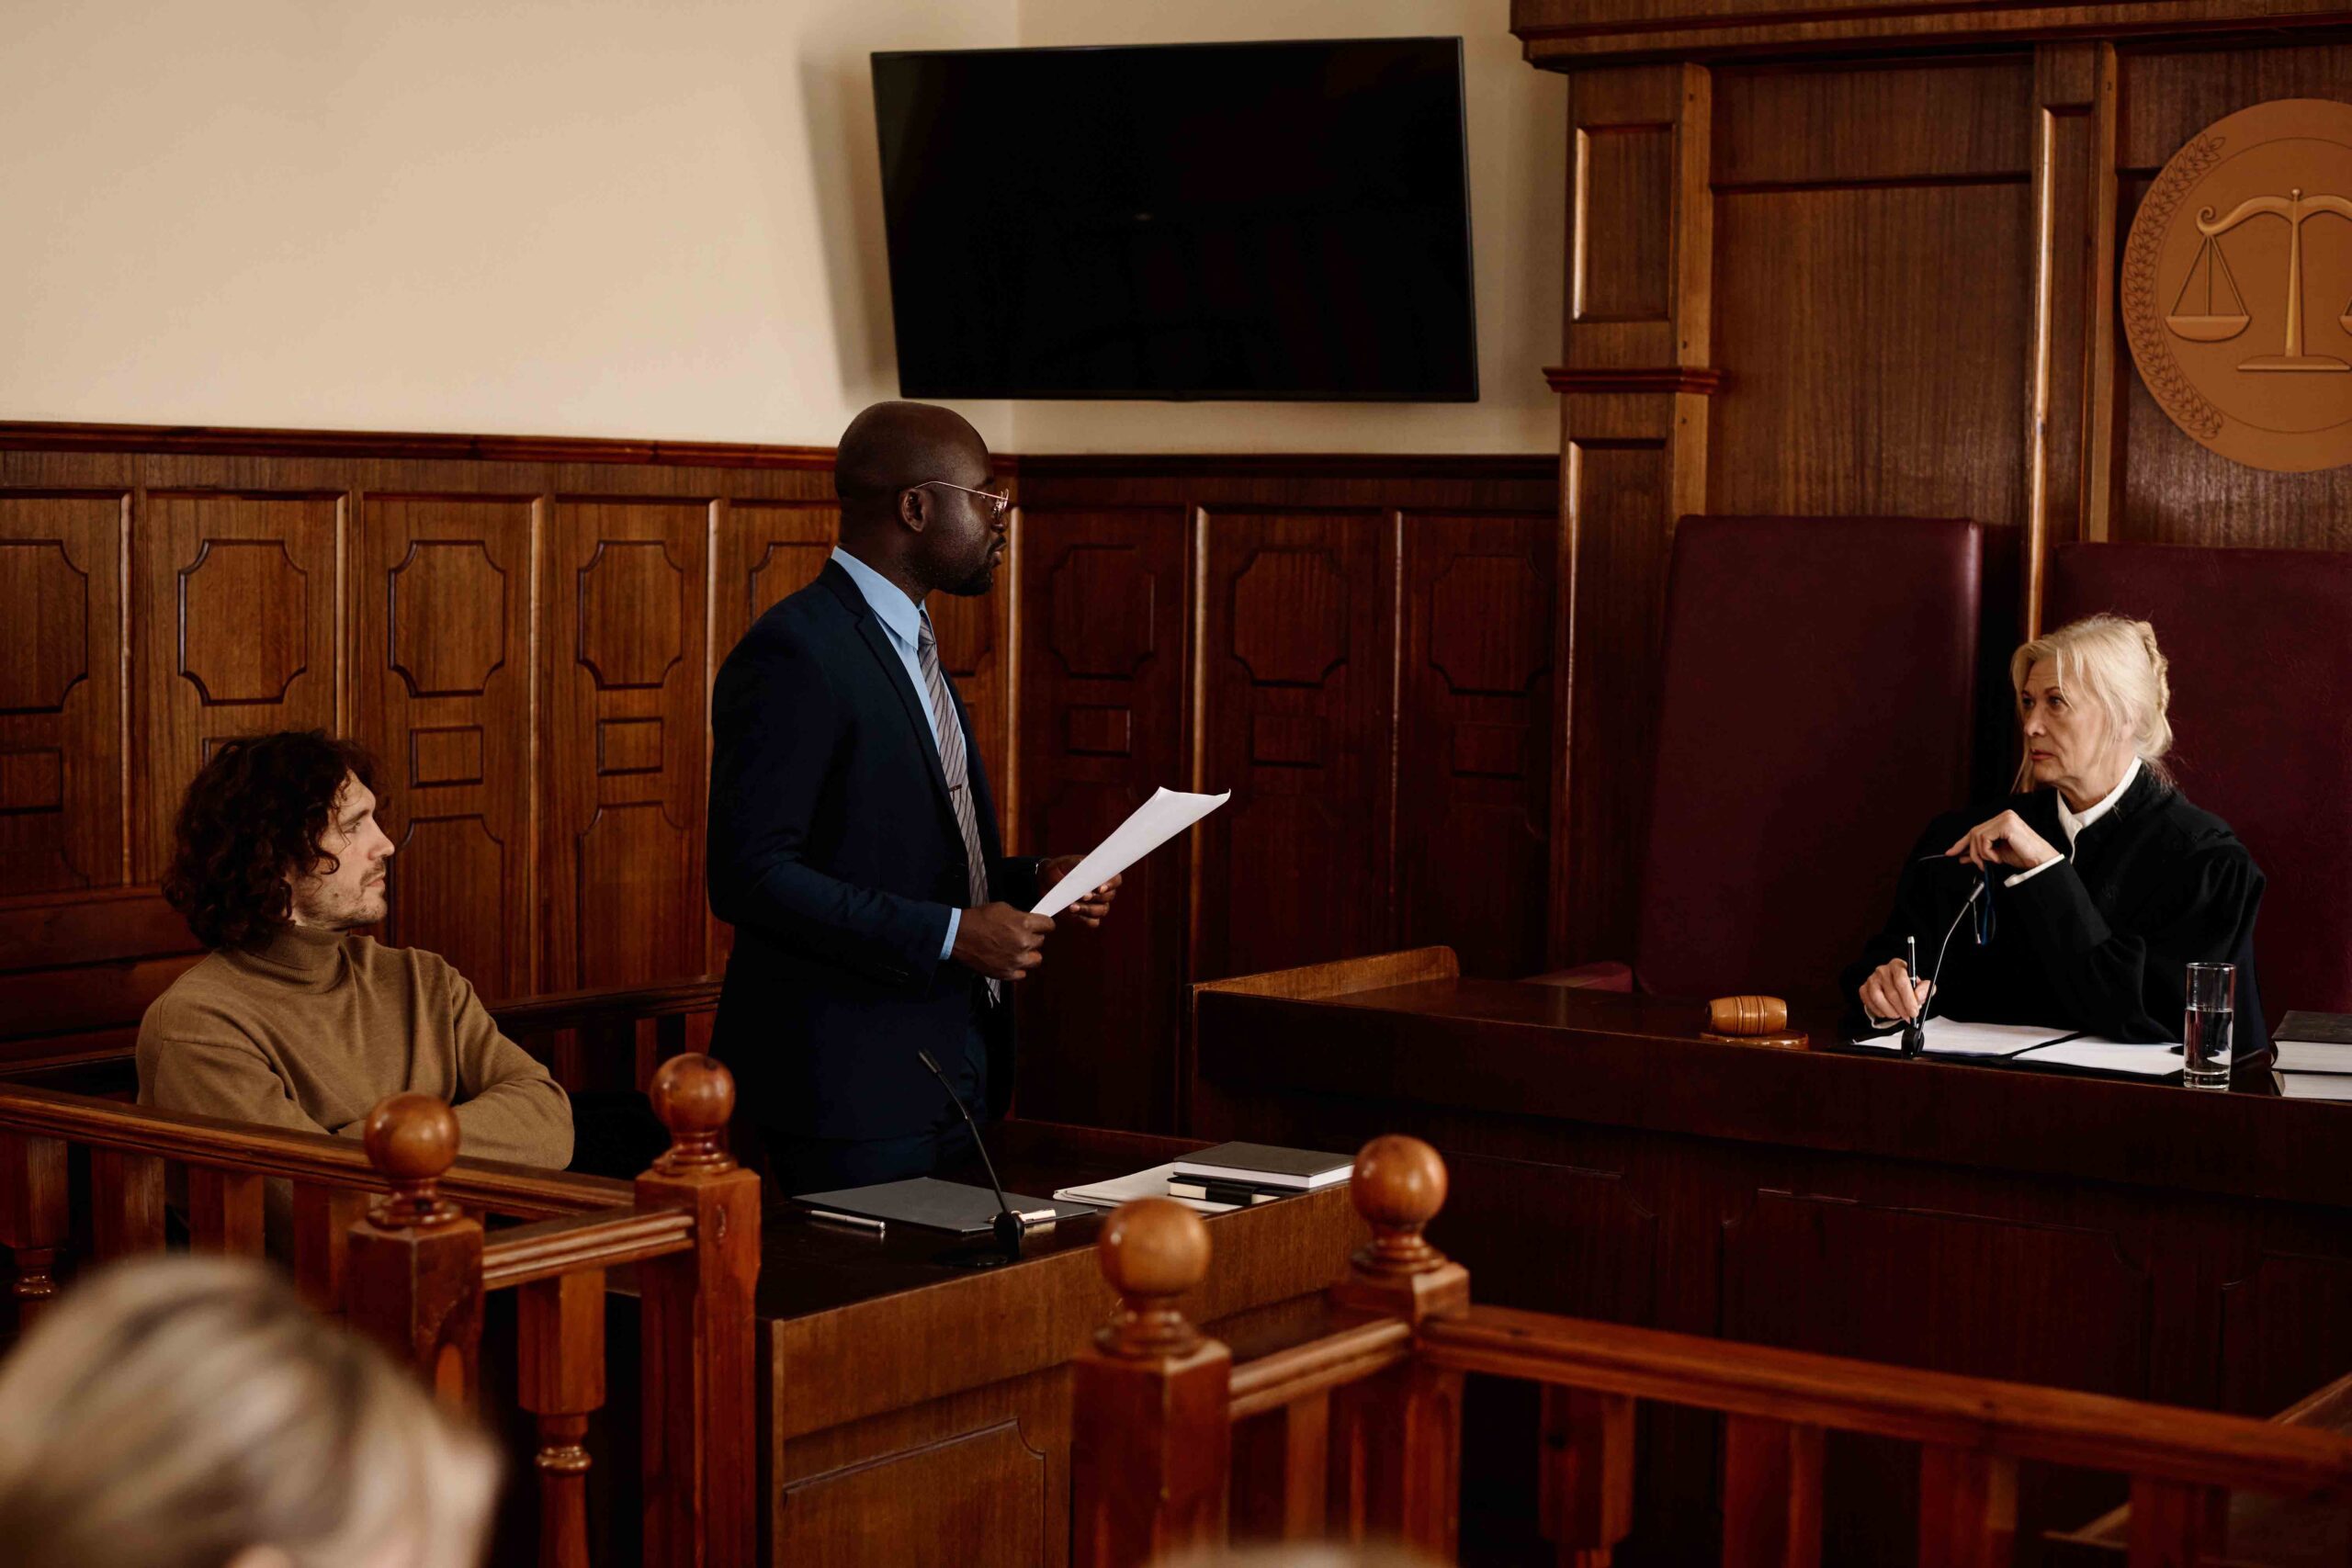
(693, 1095)
(1152, 1251)
(411, 1139)
(1399, 1187)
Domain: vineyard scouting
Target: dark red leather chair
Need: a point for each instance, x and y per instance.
(1817, 705)
(2260, 645)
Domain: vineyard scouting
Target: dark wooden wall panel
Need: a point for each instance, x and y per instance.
(1107, 596)
(1475, 739)
(61, 691)
(236, 621)
(626, 721)
(441, 689)
(1295, 681)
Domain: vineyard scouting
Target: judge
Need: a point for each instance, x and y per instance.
(2080, 901)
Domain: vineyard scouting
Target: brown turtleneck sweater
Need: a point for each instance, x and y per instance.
(310, 1031)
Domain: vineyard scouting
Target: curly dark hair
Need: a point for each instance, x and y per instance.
(252, 815)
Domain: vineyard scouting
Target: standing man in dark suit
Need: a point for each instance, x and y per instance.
(854, 842)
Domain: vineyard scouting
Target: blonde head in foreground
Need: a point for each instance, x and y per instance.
(2091, 696)
(182, 1412)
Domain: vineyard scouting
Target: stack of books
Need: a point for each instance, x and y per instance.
(1243, 1174)
(2313, 1055)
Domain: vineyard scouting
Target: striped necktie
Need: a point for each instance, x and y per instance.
(952, 763)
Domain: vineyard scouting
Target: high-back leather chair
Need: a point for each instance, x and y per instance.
(1818, 705)
(2260, 646)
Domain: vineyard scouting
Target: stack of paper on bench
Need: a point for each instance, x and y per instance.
(1255, 1173)
(2314, 1055)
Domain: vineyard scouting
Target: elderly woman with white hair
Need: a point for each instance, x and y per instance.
(2081, 900)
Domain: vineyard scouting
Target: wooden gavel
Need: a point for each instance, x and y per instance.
(1752, 1020)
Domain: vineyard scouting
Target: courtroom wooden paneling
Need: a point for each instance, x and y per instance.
(235, 616)
(442, 677)
(1107, 596)
(628, 684)
(1474, 738)
(61, 689)
(1296, 638)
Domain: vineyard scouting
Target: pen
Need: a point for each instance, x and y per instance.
(1914, 1037)
(1035, 1216)
(860, 1220)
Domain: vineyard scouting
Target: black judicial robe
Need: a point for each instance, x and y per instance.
(2101, 944)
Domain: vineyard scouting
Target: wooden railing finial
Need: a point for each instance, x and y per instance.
(411, 1139)
(1399, 1187)
(1152, 1251)
(694, 1095)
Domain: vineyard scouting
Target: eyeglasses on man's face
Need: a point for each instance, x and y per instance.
(997, 502)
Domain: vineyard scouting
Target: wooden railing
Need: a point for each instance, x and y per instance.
(1367, 1414)
(388, 1233)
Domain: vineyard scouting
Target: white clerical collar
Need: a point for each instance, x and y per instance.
(2074, 825)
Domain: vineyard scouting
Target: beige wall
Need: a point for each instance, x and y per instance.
(600, 217)
(648, 217)
(1518, 227)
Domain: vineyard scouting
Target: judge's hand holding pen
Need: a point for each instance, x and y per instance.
(1890, 992)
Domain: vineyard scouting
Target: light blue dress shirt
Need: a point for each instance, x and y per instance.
(903, 623)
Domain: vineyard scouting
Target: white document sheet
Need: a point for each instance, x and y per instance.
(1950, 1037)
(1167, 813)
(2039, 1044)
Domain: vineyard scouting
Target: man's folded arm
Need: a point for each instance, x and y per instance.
(773, 727)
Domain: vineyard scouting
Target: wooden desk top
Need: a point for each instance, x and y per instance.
(1511, 1048)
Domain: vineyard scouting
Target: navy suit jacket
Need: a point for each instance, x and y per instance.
(835, 855)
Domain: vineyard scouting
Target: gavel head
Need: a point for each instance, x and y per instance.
(1747, 1015)
(693, 1095)
(411, 1140)
(1151, 1251)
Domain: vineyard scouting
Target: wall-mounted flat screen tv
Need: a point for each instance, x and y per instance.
(1190, 220)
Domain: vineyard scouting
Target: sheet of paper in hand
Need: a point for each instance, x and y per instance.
(1167, 813)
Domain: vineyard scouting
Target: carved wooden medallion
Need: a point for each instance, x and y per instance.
(2237, 285)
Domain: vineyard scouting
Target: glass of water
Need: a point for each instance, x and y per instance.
(2205, 1028)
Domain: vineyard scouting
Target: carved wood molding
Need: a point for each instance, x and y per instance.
(208, 440)
(1661, 378)
(1565, 34)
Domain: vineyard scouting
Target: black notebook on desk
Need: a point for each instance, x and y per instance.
(933, 1204)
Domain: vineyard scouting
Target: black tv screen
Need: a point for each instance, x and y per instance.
(1189, 221)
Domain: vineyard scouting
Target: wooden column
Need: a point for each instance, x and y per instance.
(1151, 1442)
(698, 1362)
(1771, 1494)
(1398, 1435)
(322, 1220)
(415, 1264)
(1588, 1476)
(1968, 1508)
(1281, 1464)
(1634, 459)
(126, 1203)
(2070, 371)
(33, 1221)
(560, 1379)
(225, 1211)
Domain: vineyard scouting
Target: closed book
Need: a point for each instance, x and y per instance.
(1220, 1192)
(2313, 1043)
(1266, 1165)
(2314, 1086)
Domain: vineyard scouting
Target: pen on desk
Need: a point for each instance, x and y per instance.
(1915, 1038)
(860, 1220)
(1036, 1216)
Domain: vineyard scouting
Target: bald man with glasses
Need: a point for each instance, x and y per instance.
(854, 842)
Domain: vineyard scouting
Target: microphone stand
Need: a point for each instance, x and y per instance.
(1006, 1227)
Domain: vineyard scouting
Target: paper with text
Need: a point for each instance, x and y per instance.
(1167, 813)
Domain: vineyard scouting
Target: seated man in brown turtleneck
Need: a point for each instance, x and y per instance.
(295, 1019)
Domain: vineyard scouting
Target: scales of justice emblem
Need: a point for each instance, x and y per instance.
(2241, 242)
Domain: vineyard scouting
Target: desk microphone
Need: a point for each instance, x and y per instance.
(1006, 1226)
